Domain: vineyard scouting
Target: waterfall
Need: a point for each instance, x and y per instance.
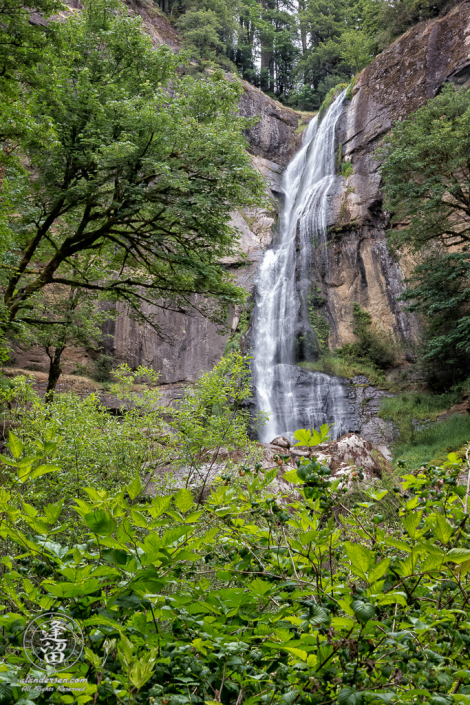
(282, 335)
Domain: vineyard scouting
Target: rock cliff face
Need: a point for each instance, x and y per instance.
(398, 82)
(193, 345)
(359, 266)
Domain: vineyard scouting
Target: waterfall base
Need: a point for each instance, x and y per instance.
(305, 399)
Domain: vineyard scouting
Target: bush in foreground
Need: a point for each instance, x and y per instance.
(252, 597)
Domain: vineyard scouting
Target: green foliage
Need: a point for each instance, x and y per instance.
(431, 444)
(426, 172)
(329, 98)
(309, 438)
(124, 188)
(427, 178)
(346, 169)
(97, 448)
(412, 413)
(372, 346)
(318, 318)
(439, 290)
(347, 367)
(420, 406)
(235, 339)
(397, 17)
(243, 595)
(103, 367)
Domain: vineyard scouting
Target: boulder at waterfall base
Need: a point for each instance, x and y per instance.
(349, 451)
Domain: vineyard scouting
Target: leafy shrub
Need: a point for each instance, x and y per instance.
(347, 367)
(102, 450)
(372, 345)
(259, 595)
(80, 370)
(103, 367)
(346, 169)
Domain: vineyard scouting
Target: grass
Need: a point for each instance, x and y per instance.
(330, 364)
(433, 444)
(417, 405)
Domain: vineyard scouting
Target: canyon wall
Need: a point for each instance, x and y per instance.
(359, 266)
(192, 344)
(395, 84)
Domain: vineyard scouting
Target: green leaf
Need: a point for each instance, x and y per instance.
(378, 571)
(298, 653)
(292, 476)
(347, 696)
(401, 545)
(15, 445)
(363, 611)
(376, 494)
(71, 589)
(100, 522)
(384, 697)
(159, 506)
(319, 616)
(392, 598)
(43, 470)
(361, 557)
(259, 587)
(411, 523)
(53, 510)
(6, 693)
(184, 500)
(116, 556)
(458, 555)
(93, 658)
(142, 669)
(172, 535)
(29, 510)
(152, 545)
(134, 488)
(442, 528)
(303, 437)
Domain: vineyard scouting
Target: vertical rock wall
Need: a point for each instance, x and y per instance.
(398, 82)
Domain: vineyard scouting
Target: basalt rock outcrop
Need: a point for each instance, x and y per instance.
(394, 85)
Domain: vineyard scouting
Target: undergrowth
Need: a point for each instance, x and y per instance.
(341, 367)
(329, 98)
(432, 444)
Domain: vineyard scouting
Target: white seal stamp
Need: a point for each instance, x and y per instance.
(53, 640)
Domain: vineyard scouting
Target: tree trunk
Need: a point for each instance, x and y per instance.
(303, 31)
(55, 371)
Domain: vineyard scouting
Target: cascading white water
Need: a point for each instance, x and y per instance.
(294, 397)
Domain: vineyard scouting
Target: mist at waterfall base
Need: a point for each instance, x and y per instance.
(292, 396)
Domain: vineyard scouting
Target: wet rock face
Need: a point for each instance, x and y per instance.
(367, 398)
(273, 136)
(399, 81)
(192, 345)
